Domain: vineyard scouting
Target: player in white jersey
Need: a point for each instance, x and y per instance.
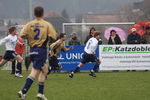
(89, 55)
(10, 42)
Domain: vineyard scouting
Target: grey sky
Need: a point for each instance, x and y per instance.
(20, 8)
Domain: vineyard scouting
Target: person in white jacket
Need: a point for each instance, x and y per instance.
(89, 55)
(10, 43)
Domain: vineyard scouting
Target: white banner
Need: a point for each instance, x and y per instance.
(124, 57)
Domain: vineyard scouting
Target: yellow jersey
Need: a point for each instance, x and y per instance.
(37, 32)
(56, 48)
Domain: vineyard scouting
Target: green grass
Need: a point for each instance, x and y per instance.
(2, 50)
(106, 86)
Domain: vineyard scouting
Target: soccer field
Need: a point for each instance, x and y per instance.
(58, 86)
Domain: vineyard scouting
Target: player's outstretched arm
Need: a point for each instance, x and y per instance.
(67, 49)
(4, 40)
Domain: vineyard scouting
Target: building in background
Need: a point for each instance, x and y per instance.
(101, 18)
(56, 19)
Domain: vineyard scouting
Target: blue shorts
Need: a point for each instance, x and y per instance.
(38, 57)
(10, 55)
(88, 58)
(53, 61)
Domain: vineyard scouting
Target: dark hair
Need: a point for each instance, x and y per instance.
(112, 31)
(61, 35)
(38, 11)
(12, 29)
(97, 33)
(92, 28)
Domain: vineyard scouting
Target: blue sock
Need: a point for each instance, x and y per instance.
(96, 67)
(77, 69)
(41, 87)
(18, 70)
(27, 85)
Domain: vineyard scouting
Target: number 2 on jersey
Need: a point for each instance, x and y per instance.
(37, 35)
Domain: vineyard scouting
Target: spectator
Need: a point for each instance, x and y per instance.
(146, 37)
(91, 34)
(134, 37)
(114, 38)
(74, 40)
(100, 41)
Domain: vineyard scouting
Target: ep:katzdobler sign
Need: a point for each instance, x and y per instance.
(124, 57)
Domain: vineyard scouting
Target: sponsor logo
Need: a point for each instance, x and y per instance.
(126, 49)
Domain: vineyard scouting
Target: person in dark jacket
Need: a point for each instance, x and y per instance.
(91, 34)
(134, 37)
(74, 40)
(146, 37)
(114, 38)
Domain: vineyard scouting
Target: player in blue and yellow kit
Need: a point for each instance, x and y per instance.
(37, 33)
(55, 49)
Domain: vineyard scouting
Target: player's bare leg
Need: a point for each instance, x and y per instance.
(3, 62)
(19, 58)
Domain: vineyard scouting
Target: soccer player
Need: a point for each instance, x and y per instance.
(10, 42)
(89, 55)
(37, 33)
(55, 49)
(19, 49)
